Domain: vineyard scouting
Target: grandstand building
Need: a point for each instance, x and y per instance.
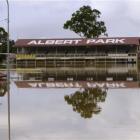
(41, 53)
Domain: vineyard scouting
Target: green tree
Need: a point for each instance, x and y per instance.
(86, 102)
(3, 44)
(85, 23)
(3, 38)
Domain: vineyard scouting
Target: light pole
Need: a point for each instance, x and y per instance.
(8, 74)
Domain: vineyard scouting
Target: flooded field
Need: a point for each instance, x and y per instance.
(58, 113)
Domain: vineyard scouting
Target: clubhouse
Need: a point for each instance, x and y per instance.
(76, 52)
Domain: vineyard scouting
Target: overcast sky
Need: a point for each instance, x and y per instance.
(45, 18)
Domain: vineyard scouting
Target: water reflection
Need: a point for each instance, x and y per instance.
(3, 88)
(86, 102)
(119, 72)
(42, 114)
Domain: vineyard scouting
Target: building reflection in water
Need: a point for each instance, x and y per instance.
(119, 72)
(86, 102)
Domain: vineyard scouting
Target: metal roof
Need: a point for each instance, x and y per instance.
(77, 42)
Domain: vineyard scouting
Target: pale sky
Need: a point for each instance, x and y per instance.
(45, 18)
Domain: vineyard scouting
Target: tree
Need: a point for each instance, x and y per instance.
(85, 23)
(3, 38)
(3, 43)
(86, 102)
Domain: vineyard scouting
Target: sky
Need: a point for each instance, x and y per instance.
(45, 18)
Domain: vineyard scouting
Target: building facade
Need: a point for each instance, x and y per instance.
(42, 53)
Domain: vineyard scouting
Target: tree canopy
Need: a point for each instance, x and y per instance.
(3, 43)
(85, 22)
(3, 37)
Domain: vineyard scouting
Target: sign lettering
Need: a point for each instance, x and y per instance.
(77, 41)
(105, 41)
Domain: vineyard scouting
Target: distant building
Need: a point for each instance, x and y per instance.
(40, 53)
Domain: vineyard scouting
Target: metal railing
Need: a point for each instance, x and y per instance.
(33, 56)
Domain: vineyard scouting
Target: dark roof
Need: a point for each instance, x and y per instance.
(78, 41)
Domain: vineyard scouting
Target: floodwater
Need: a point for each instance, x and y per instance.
(45, 114)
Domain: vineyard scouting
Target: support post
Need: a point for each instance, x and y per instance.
(8, 74)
